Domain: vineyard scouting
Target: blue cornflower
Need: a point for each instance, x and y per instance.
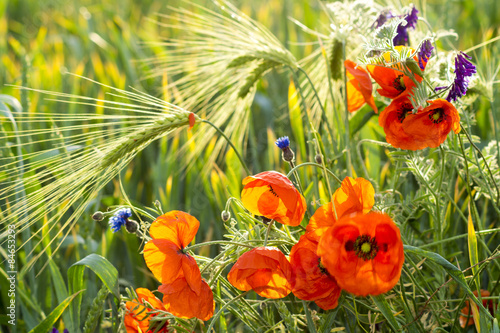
(464, 69)
(283, 142)
(402, 30)
(424, 53)
(119, 219)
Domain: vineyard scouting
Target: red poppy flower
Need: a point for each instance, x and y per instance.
(272, 194)
(164, 255)
(466, 311)
(311, 281)
(353, 196)
(183, 302)
(364, 253)
(429, 127)
(393, 83)
(359, 87)
(137, 315)
(263, 269)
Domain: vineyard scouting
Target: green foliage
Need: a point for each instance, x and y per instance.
(52, 144)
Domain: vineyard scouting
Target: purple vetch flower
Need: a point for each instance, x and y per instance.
(119, 219)
(402, 30)
(383, 17)
(424, 53)
(464, 69)
(55, 330)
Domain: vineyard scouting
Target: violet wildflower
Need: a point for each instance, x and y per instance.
(464, 69)
(119, 219)
(283, 143)
(402, 37)
(383, 17)
(55, 330)
(424, 53)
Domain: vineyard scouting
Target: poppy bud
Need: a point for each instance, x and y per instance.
(318, 158)
(131, 226)
(225, 215)
(98, 216)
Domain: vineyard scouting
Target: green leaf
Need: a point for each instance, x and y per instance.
(384, 307)
(455, 273)
(59, 287)
(296, 117)
(47, 324)
(103, 269)
(360, 118)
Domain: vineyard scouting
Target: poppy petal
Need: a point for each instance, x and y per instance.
(176, 226)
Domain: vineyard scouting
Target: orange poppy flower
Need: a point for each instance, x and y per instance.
(137, 315)
(466, 311)
(364, 253)
(393, 83)
(272, 194)
(429, 127)
(183, 302)
(353, 196)
(359, 87)
(263, 269)
(311, 281)
(164, 255)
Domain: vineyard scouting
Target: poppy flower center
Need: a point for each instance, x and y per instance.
(437, 115)
(399, 83)
(322, 268)
(404, 110)
(364, 246)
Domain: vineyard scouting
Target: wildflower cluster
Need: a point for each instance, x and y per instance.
(344, 247)
(411, 121)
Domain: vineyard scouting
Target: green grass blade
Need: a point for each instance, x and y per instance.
(47, 324)
(455, 273)
(103, 269)
(383, 306)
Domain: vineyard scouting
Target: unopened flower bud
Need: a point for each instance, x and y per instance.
(318, 158)
(98, 216)
(225, 215)
(131, 226)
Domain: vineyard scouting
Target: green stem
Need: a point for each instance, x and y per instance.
(484, 159)
(217, 315)
(268, 231)
(348, 150)
(325, 119)
(192, 247)
(230, 143)
(316, 165)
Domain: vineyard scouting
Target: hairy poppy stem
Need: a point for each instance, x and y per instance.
(230, 143)
(316, 165)
(268, 231)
